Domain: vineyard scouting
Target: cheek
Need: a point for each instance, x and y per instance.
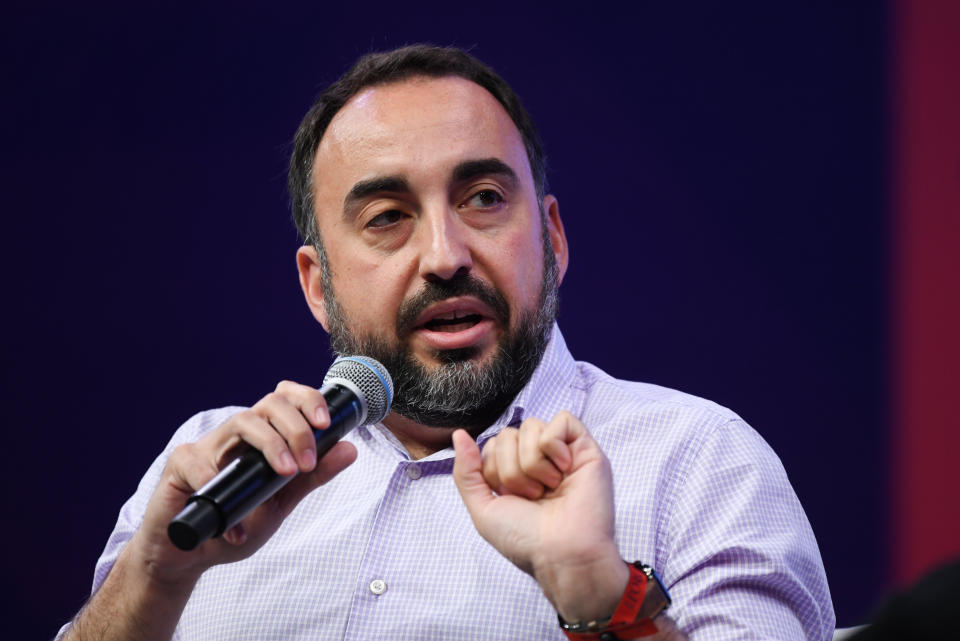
(370, 289)
(523, 265)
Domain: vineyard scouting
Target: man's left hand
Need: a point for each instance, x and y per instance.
(542, 495)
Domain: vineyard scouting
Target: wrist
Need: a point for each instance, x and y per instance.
(643, 600)
(156, 570)
(585, 590)
(132, 603)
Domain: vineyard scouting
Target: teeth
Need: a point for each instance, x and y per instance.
(451, 316)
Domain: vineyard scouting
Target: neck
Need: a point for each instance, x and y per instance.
(419, 440)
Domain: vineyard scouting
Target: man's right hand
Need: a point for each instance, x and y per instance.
(153, 578)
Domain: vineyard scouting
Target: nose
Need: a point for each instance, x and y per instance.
(445, 253)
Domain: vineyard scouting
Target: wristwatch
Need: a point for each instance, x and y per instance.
(644, 598)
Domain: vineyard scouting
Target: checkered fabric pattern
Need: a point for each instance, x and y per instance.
(387, 550)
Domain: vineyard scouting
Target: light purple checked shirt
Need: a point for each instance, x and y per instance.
(387, 551)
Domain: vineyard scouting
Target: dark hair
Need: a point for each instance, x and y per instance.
(392, 66)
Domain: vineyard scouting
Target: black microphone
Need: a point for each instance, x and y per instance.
(358, 391)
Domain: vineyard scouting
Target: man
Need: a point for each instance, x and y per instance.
(431, 245)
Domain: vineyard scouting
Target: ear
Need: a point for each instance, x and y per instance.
(311, 282)
(558, 237)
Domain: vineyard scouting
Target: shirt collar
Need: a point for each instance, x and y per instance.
(546, 393)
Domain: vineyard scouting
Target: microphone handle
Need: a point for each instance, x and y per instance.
(249, 480)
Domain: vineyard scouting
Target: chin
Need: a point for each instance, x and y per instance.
(462, 355)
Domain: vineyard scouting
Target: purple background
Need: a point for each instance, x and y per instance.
(721, 172)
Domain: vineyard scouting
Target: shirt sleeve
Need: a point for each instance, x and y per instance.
(131, 514)
(739, 555)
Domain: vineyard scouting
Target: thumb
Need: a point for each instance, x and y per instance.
(467, 474)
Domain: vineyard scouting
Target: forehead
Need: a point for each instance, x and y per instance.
(417, 128)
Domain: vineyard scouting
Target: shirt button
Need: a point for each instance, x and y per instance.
(378, 586)
(413, 471)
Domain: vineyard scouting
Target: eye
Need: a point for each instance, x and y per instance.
(485, 199)
(386, 219)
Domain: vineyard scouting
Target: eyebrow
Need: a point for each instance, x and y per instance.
(373, 186)
(467, 170)
(471, 169)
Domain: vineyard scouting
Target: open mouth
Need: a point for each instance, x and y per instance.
(453, 322)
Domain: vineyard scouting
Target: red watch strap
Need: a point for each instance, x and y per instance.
(632, 599)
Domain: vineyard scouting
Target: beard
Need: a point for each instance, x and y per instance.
(462, 391)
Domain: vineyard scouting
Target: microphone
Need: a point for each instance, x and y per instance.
(358, 391)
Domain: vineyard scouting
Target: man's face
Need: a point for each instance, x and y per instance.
(441, 263)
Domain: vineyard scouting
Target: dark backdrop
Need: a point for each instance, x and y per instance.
(721, 174)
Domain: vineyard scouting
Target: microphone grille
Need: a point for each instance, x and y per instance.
(371, 378)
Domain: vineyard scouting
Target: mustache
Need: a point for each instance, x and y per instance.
(460, 285)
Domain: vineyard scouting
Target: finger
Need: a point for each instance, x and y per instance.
(533, 461)
(562, 430)
(290, 422)
(468, 474)
(488, 459)
(256, 431)
(189, 469)
(237, 535)
(337, 459)
(512, 477)
(262, 522)
(308, 400)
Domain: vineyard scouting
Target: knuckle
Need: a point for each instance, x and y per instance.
(489, 464)
(528, 459)
(278, 446)
(273, 398)
(241, 423)
(546, 438)
(183, 452)
(507, 475)
(532, 423)
(187, 461)
(182, 449)
(243, 418)
(303, 440)
(510, 467)
(269, 404)
(260, 405)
